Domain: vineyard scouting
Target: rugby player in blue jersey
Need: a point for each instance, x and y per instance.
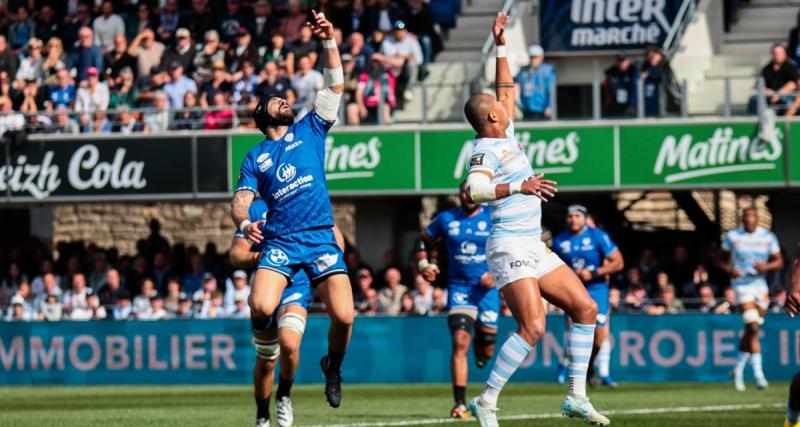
(288, 170)
(285, 334)
(593, 256)
(473, 301)
(749, 253)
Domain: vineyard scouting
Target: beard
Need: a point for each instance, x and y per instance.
(283, 119)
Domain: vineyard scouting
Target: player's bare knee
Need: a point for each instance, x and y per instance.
(532, 331)
(343, 317)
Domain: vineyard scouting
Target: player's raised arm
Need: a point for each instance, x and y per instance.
(329, 97)
(503, 81)
(481, 189)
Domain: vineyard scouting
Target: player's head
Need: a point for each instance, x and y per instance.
(467, 205)
(484, 112)
(273, 112)
(750, 219)
(576, 217)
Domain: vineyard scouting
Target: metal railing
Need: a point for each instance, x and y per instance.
(673, 40)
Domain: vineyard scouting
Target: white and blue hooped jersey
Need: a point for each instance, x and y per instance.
(747, 249)
(585, 250)
(289, 174)
(518, 214)
(465, 237)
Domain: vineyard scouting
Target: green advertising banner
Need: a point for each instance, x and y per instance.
(702, 155)
(794, 152)
(573, 157)
(355, 162)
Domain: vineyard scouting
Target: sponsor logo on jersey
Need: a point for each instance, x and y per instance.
(565, 247)
(262, 157)
(460, 298)
(285, 172)
(453, 224)
(469, 248)
(265, 165)
(476, 160)
(289, 137)
(293, 145)
(482, 225)
(520, 263)
(326, 261)
(277, 257)
(294, 185)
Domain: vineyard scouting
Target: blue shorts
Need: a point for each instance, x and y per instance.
(599, 293)
(313, 251)
(485, 300)
(298, 292)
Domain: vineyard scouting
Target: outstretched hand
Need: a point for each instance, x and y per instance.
(544, 189)
(321, 27)
(499, 28)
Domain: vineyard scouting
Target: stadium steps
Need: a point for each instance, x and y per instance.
(456, 66)
(744, 52)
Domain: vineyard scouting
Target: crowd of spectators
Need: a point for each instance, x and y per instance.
(163, 281)
(536, 83)
(122, 66)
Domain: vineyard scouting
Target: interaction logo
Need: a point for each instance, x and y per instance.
(277, 257)
(286, 172)
(326, 261)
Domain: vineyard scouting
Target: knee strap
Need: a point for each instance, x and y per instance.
(294, 322)
(460, 321)
(261, 325)
(267, 349)
(483, 338)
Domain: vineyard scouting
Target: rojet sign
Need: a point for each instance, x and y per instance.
(574, 157)
(575, 25)
(71, 169)
(701, 154)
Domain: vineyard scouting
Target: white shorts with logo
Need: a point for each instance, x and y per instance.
(756, 291)
(518, 257)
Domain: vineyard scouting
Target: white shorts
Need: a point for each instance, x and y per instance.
(514, 258)
(757, 292)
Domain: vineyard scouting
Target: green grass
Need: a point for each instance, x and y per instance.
(233, 405)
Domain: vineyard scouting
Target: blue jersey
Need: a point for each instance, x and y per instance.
(465, 237)
(289, 174)
(585, 250)
(747, 249)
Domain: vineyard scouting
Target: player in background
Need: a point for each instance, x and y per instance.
(593, 256)
(748, 253)
(524, 269)
(793, 308)
(473, 301)
(290, 322)
(287, 170)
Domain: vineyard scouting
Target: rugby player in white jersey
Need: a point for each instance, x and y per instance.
(524, 269)
(751, 252)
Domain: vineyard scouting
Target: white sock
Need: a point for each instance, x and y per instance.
(604, 359)
(741, 362)
(755, 362)
(581, 340)
(511, 355)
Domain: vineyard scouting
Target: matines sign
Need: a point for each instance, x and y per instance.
(114, 167)
(609, 25)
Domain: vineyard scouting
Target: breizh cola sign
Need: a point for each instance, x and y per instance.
(108, 167)
(714, 154)
(575, 25)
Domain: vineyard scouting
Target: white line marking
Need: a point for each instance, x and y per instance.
(349, 175)
(641, 411)
(683, 176)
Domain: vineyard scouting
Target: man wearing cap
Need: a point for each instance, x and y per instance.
(93, 94)
(403, 54)
(288, 323)
(535, 84)
(473, 301)
(593, 256)
(183, 52)
(287, 170)
(107, 26)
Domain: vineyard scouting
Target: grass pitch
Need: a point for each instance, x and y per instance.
(386, 405)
